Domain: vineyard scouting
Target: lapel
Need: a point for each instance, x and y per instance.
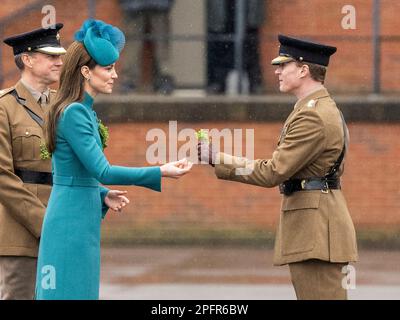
(285, 126)
(96, 129)
(28, 100)
(95, 124)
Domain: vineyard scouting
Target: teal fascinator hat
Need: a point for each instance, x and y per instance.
(102, 41)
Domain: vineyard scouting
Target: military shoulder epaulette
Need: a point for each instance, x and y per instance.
(6, 91)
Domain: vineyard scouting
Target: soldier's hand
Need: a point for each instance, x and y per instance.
(206, 153)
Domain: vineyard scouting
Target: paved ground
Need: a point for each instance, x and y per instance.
(165, 273)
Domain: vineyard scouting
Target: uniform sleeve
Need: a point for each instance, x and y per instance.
(302, 144)
(103, 194)
(76, 127)
(16, 200)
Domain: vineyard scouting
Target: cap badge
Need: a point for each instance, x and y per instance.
(58, 36)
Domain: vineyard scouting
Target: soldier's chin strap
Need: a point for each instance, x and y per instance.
(33, 115)
(339, 161)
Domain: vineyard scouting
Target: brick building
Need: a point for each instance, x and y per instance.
(351, 70)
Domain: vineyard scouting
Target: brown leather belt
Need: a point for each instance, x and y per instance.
(35, 177)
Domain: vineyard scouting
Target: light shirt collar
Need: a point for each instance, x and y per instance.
(36, 94)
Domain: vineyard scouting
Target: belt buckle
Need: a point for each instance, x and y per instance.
(325, 188)
(303, 184)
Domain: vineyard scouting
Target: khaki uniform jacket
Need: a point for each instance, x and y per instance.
(22, 206)
(313, 224)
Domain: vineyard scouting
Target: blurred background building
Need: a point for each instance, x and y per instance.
(219, 77)
(365, 62)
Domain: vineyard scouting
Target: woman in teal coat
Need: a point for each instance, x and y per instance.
(69, 252)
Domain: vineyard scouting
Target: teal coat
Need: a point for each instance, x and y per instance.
(69, 251)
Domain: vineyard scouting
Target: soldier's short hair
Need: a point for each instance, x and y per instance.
(18, 61)
(317, 71)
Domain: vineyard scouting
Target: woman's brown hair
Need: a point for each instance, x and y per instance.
(71, 88)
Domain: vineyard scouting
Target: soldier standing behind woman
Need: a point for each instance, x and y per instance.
(25, 177)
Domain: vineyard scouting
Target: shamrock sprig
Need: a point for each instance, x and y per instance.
(104, 134)
(44, 152)
(202, 135)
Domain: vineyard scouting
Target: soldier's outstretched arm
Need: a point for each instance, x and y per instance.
(302, 144)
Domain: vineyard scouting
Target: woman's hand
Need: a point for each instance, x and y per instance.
(116, 200)
(176, 169)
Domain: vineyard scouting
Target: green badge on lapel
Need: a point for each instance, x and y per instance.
(103, 131)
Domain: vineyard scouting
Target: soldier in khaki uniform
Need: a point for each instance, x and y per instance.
(25, 177)
(315, 235)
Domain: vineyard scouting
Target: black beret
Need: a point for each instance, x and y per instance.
(42, 40)
(295, 49)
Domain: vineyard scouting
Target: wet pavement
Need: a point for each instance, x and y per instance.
(226, 273)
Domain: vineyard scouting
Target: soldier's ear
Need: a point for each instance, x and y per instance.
(304, 71)
(26, 60)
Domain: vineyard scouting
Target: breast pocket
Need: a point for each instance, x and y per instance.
(26, 143)
(300, 222)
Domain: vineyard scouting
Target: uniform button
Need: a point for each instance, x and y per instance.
(27, 132)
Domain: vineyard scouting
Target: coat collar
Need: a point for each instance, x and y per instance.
(315, 95)
(320, 93)
(87, 100)
(30, 102)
